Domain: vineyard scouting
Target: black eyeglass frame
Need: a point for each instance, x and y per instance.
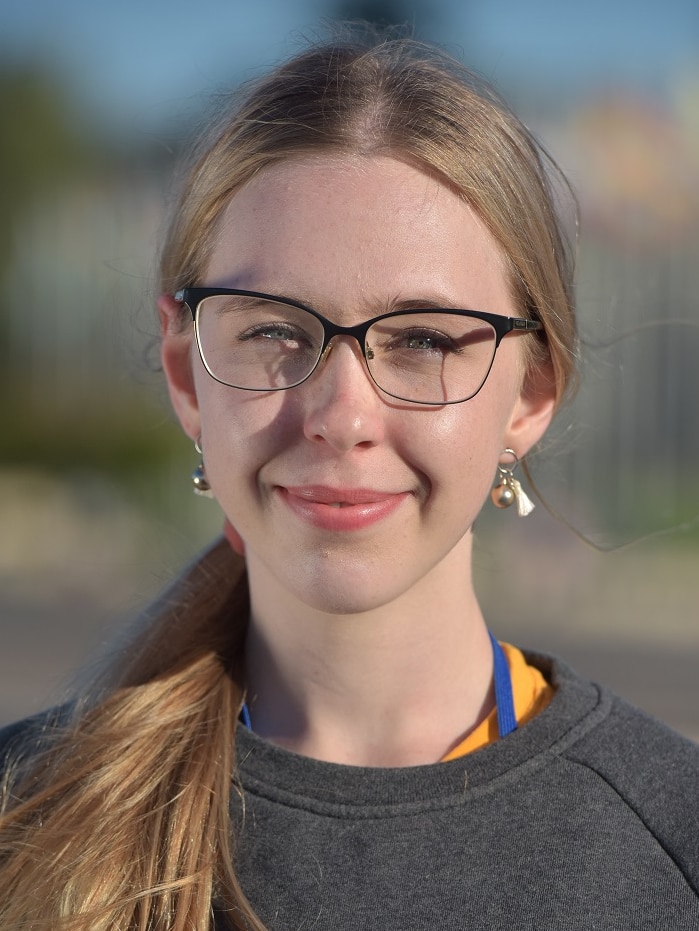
(502, 325)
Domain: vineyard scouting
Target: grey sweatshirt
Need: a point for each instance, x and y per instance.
(586, 818)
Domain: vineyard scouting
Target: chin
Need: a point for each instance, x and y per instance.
(345, 589)
(343, 599)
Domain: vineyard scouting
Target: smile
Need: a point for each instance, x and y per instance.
(335, 509)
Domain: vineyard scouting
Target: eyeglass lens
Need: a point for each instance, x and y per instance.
(261, 345)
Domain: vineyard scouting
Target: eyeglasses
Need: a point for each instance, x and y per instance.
(262, 342)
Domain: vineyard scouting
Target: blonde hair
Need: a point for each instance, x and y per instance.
(118, 818)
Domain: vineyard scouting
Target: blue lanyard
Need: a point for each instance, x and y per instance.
(504, 702)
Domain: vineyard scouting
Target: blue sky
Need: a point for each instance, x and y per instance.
(144, 60)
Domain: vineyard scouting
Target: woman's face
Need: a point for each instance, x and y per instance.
(345, 497)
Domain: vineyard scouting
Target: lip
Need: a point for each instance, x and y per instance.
(340, 509)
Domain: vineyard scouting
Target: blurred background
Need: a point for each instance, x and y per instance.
(96, 510)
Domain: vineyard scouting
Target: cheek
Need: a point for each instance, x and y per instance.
(241, 431)
(460, 445)
(476, 427)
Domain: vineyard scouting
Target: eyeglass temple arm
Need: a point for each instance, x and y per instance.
(522, 323)
(178, 297)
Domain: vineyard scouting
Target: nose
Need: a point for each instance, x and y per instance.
(342, 404)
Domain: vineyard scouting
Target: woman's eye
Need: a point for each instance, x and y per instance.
(272, 331)
(427, 341)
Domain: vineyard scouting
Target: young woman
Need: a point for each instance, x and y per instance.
(366, 322)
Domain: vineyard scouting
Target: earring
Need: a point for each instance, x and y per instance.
(508, 490)
(199, 479)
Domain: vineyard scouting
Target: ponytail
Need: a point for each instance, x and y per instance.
(119, 816)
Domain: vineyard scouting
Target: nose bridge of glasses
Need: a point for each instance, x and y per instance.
(332, 330)
(353, 337)
(357, 332)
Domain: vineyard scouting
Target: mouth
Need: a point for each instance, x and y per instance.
(337, 497)
(340, 509)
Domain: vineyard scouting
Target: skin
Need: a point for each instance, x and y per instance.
(366, 645)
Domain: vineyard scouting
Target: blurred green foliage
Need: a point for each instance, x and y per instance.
(41, 144)
(120, 439)
(120, 430)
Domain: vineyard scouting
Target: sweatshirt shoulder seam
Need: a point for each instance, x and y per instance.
(637, 814)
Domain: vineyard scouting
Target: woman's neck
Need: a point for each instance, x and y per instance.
(397, 685)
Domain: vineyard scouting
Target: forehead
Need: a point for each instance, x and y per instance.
(343, 225)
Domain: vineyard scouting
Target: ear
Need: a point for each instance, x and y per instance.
(533, 410)
(176, 356)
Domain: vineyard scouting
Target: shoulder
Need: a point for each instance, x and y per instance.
(14, 736)
(635, 751)
(23, 738)
(652, 767)
(652, 770)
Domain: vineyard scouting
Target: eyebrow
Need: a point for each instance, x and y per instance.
(370, 306)
(436, 302)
